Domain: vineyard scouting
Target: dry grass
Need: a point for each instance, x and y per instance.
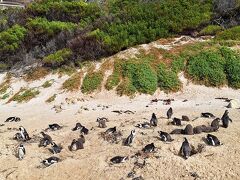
(36, 74)
(5, 85)
(73, 83)
(51, 99)
(24, 95)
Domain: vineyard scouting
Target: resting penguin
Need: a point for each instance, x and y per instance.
(54, 127)
(144, 125)
(80, 127)
(153, 121)
(46, 140)
(215, 124)
(169, 113)
(102, 122)
(177, 131)
(13, 119)
(149, 148)
(185, 118)
(24, 133)
(55, 148)
(130, 138)
(176, 121)
(188, 130)
(21, 152)
(198, 129)
(111, 130)
(119, 159)
(50, 161)
(185, 149)
(225, 119)
(213, 140)
(207, 115)
(164, 136)
(76, 145)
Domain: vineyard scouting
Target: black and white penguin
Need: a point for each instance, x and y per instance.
(119, 159)
(24, 133)
(130, 138)
(144, 125)
(54, 127)
(76, 145)
(102, 122)
(77, 127)
(215, 124)
(185, 149)
(185, 118)
(164, 136)
(21, 152)
(80, 127)
(50, 161)
(55, 148)
(153, 120)
(176, 121)
(111, 130)
(13, 119)
(149, 148)
(207, 115)
(225, 119)
(213, 140)
(46, 140)
(169, 113)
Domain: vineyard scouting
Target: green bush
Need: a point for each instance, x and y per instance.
(114, 79)
(126, 88)
(11, 39)
(25, 95)
(178, 64)
(167, 79)
(207, 68)
(229, 34)
(91, 82)
(40, 26)
(51, 99)
(73, 83)
(58, 58)
(211, 30)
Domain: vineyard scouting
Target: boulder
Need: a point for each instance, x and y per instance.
(234, 103)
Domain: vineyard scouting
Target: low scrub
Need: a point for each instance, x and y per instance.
(126, 88)
(114, 79)
(91, 82)
(48, 84)
(51, 99)
(36, 74)
(25, 95)
(211, 30)
(229, 34)
(73, 83)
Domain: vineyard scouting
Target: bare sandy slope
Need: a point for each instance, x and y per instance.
(93, 161)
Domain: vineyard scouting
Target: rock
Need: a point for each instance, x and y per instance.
(234, 103)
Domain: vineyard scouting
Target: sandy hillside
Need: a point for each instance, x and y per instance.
(93, 161)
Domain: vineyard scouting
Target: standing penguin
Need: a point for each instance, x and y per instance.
(153, 121)
(55, 148)
(185, 149)
(188, 130)
(164, 136)
(130, 138)
(24, 133)
(225, 119)
(213, 140)
(169, 113)
(102, 122)
(21, 152)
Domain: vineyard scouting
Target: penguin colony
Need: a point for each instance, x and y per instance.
(77, 144)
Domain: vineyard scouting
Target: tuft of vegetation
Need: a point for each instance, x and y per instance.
(126, 88)
(211, 30)
(36, 74)
(167, 79)
(114, 79)
(51, 99)
(4, 86)
(229, 34)
(25, 95)
(91, 82)
(73, 83)
(48, 84)
(58, 58)
(207, 68)
(178, 64)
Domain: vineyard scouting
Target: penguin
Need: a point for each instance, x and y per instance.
(119, 159)
(13, 119)
(213, 140)
(185, 118)
(177, 131)
(208, 129)
(164, 136)
(102, 122)
(81, 139)
(18, 137)
(80, 127)
(24, 133)
(153, 121)
(77, 127)
(144, 125)
(84, 130)
(21, 152)
(130, 138)
(176, 121)
(55, 148)
(149, 148)
(188, 130)
(207, 115)
(46, 140)
(76, 145)
(185, 149)
(225, 119)
(197, 129)
(111, 130)
(51, 160)
(169, 113)
(54, 127)
(215, 124)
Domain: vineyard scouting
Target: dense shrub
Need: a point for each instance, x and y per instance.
(11, 39)
(229, 34)
(211, 30)
(207, 68)
(91, 82)
(167, 79)
(178, 64)
(58, 58)
(126, 88)
(114, 79)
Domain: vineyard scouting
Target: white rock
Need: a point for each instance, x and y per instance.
(234, 103)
